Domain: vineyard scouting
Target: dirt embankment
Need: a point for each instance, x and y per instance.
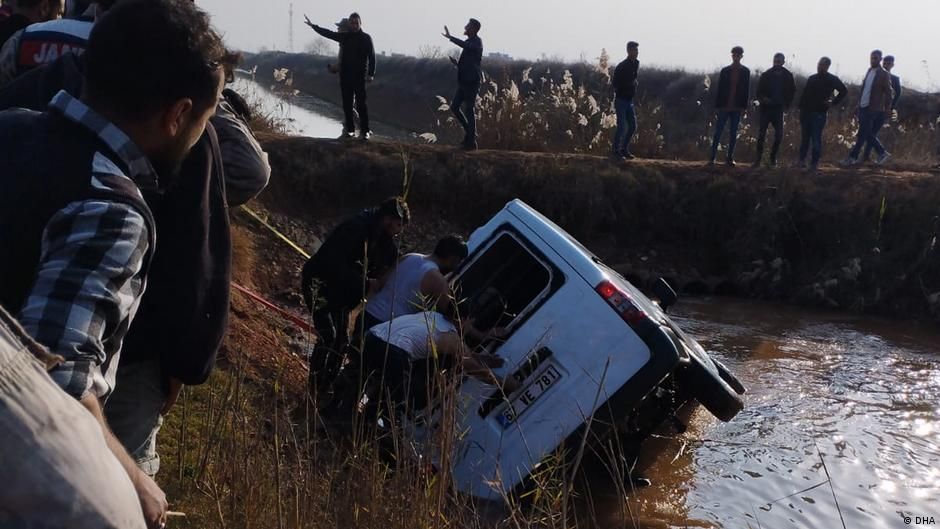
(862, 240)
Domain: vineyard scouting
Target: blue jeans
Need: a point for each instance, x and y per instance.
(812, 125)
(463, 106)
(876, 128)
(724, 117)
(868, 132)
(626, 125)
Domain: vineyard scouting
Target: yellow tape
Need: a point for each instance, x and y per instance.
(275, 232)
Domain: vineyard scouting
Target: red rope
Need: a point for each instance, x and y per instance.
(271, 306)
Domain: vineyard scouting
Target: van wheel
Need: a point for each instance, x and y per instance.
(703, 379)
(729, 377)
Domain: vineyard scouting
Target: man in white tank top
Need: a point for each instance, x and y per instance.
(417, 283)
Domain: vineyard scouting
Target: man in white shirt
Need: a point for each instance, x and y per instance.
(874, 106)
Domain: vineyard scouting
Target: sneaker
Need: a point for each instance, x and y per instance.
(883, 158)
(848, 162)
(731, 163)
(365, 135)
(773, 164)
(347, 135)
(617, 158)
(710, 163)
(629, 156)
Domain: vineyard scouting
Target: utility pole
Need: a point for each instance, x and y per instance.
(290, 29)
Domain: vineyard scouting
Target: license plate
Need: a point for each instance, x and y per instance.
(527, 397)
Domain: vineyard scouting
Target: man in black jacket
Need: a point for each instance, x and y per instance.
(624, 83)
(469, 78)
(26, 12)
(351, 259)
(734, 85)
(356, 68)
(775, 91)
(815, 102)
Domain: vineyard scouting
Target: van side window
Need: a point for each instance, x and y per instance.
(504, 282)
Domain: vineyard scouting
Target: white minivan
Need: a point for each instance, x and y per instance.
(586, 345)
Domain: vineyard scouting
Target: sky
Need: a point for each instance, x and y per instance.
(692, 34)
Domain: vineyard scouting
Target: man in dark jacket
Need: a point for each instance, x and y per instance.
(734, 85)
(888, 64)
(469, 77)
(815, 102)
(775, 91)
(356, 68)
(874, 106)
(184, 314)
(352, 258)
(26, 12)
(624, 83)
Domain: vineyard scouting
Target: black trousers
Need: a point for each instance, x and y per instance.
(354, 90)
(770, 115)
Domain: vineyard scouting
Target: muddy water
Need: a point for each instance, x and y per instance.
(851, 396)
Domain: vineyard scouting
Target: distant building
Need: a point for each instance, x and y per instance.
(396, 54)
(498, 56)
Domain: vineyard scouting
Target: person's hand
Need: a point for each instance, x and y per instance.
(307, 21)
(370, 78)
(175, 387)
(446, 33)
(453, 60)
(152, 501)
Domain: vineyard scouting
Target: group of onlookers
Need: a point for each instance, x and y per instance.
(121, 154)
(776, 90)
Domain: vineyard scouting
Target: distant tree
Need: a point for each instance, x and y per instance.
(320, 46)
(429, 51)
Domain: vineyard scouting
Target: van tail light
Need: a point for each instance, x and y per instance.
(621, 302)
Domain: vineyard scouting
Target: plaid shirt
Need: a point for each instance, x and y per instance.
(90, 276)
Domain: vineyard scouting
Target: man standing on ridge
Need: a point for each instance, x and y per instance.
(814, 105)
(734, 84)
(775, 91)
(888, 64)
(469, 79)
(356, 68)
(624, 83)
(26, 12)
(873, 107)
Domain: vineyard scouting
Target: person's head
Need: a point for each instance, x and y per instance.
(779, 60)
(155, 69)
(472, 28)
(633, 49)
(737, 53)
(393, 215)
(888, 62)
(823, 65)
(875, 58)
(343, 26)
(450, 252)
(40, 10)
(355, 22)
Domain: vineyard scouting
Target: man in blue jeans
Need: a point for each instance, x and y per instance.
(624, 83)
(469, 78)
(734, 84)
(814, 105)
(888, 65)
(873, 107)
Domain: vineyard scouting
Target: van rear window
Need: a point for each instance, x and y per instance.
(504, 282)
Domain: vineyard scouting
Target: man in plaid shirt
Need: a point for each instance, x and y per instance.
(76, 233)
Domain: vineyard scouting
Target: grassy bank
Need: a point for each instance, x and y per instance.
(557, 107)
(861, 240)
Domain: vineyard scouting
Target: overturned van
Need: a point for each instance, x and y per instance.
(588, 349)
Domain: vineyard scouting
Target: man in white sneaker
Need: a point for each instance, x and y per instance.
(874, 107)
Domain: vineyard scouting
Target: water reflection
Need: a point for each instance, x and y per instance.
(852, 397)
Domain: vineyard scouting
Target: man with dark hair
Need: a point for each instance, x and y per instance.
(26, 12)
(888, 64)
(873, 108)
(775, 91)
(76, 232)
(734, 84)
(814, 105)
(417, 283)
(469, 79)
(343, 271)
(624, 83)
(356, 68)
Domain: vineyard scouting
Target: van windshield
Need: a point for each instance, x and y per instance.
(503, 283)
